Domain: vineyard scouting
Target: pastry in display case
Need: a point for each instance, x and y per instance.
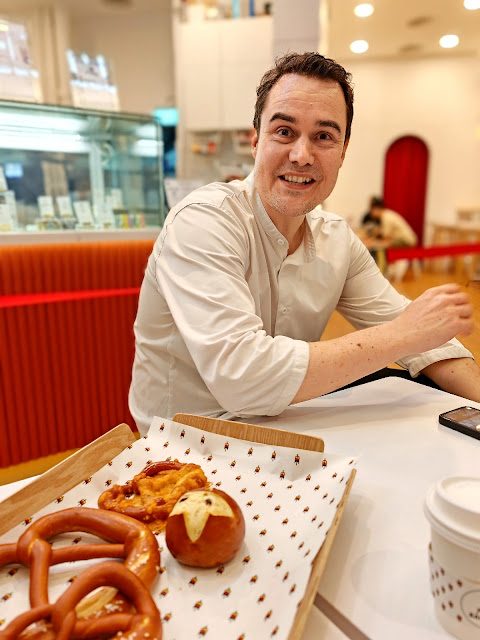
(70, 168)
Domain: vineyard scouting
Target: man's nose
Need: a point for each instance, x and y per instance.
(301, 152)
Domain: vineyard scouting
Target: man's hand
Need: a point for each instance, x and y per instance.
(435, 317)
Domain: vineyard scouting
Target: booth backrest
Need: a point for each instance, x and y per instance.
(65, 365)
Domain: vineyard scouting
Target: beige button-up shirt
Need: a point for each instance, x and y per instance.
(225, 315)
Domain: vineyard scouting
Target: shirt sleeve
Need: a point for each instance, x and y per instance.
(368, 299)
(202, 277)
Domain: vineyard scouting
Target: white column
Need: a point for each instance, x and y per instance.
(49, 33)
(62, 32)
(300, 26)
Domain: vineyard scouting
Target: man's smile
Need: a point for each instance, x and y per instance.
(297, 181)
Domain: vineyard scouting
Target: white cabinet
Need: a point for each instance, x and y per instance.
(198, 81)
(246, 53)
(220, 66)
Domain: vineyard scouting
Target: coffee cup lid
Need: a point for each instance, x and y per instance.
(452, 507)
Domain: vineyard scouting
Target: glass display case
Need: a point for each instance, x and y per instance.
(67, 168)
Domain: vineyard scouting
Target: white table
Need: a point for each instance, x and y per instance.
(377, 573)
(377, 579)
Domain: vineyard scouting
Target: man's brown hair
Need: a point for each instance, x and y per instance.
(312, 65)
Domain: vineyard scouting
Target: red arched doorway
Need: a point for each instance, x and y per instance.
(405, 180)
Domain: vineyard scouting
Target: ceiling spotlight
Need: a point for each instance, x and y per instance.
(359, 46)
(471, 4)
(365, 9)
(448, 42)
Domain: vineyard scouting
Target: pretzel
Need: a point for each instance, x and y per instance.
(142, 625)
(151, 495)
(132, 541)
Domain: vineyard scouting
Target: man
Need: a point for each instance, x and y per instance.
(244, 277)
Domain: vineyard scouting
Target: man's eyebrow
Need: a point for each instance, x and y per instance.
(283, 116)
(332, 124)
(329, 123)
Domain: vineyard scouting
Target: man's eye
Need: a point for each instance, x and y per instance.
(284, 132)
(325, 136)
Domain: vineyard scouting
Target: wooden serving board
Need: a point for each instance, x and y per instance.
(63, 476)
(277, 437)
(83, 463)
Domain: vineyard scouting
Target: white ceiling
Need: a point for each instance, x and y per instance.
(397, 28)
(403, 28)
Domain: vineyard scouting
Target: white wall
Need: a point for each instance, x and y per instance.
(437, 100)
(140, 47)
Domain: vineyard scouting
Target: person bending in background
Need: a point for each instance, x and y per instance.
(387, 226)
(244, 277)
(382, 228)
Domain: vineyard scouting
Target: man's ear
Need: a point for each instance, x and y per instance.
(254, 144)
(345, 145)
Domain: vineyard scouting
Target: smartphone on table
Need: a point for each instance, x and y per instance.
(464, 419)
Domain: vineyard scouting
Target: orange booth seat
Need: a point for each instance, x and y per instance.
(66, 343)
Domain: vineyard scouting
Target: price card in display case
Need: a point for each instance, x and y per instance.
(65, 206)
(5, 217)
(116, 199)
(3, 182)
(45, 204)
(104, 214)
(12, 203)
(83, 211)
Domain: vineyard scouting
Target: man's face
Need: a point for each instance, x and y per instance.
(300, 147)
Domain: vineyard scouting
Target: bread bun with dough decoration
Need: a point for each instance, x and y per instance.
(205, 528)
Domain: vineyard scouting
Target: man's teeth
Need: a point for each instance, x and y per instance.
(297, 179)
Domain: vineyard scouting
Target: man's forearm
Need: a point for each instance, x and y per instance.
(335, 363)
(435, 317)
(460, 376)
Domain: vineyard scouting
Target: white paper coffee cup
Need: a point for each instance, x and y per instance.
(452, 507)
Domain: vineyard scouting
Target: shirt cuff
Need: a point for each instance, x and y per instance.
(417, 362)
(294, 379)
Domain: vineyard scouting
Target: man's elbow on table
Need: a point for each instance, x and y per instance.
(459, 376)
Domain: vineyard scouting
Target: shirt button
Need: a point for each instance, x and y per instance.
(281, 241)
(284, 310)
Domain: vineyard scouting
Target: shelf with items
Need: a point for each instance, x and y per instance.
(232, 157)
(66, 168)
(210, 10)
(242, 141)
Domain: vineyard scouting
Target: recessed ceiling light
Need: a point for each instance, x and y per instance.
(364, 10)
(359, 46)
(471, 4)
(449, 41)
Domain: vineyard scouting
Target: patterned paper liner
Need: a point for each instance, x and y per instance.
(288, 498)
